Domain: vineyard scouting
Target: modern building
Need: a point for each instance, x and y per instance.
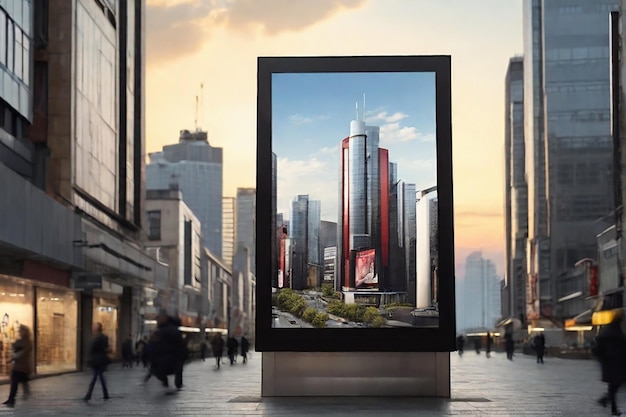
(425, 250)
(567, 138)
(196, 168)
(229, 228)
(176, 231)
(479, 300)
(71, 152)
(516, 193)
(363, 221)
(219, 291)
(245, 233)
(304, 243)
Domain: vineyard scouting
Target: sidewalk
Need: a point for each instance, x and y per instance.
(480, 387)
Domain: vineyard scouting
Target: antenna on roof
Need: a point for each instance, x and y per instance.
(363, 106)
(196, 118)
(200, 105)
(357, 110)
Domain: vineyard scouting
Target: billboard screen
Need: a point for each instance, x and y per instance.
(351, 163)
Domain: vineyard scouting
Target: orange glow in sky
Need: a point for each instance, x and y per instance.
(216, 43)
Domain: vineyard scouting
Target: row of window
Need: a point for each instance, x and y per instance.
(570, 88)
(14, 48)
(591, 52)
(596, 8)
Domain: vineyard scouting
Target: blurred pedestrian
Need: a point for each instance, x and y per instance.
(539, 342)
(98, 360)
(477, 345)
(168, 350)
(232, 345)
(460, 344)
(203, 348)
(509, 345)
(245, 347)
(610, 348)
(489, 343)
(217, 345)
(140, 349)
(22, 364)
(127, 352)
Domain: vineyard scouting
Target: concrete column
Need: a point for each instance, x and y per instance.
(126, 315)
(86, 324)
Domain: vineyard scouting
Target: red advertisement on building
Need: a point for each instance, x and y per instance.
(365, 276)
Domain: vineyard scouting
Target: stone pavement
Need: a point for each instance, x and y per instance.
(480, 386)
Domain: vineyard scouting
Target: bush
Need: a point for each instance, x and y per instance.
(320, 320)
(297, 306)
(328, 290)
(309, 314)
(370, 314)
(378, 322)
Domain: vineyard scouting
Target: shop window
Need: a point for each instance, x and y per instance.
(154, 225)
(16, 308)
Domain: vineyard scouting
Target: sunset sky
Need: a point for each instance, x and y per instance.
(216, 43)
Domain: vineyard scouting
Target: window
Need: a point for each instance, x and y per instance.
(154, 225)
(3, 32)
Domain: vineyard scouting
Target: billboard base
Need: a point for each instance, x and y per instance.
(356, 374)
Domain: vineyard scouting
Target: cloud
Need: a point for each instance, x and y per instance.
(176, 29)
(395, 133)
(330, 150)
(379, 115)
(179, 28)
(300, 119)
(276, 16)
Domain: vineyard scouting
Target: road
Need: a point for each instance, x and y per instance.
(480, 387)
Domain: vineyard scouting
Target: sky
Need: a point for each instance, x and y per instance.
(215, 43)
(311, 114)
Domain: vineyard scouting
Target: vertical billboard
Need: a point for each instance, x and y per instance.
(373, 135)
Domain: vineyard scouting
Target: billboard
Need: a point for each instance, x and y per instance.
(365, 276)
(374, 119)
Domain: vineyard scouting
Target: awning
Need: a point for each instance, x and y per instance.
(584, 318)
(604, 317)
(510, 321)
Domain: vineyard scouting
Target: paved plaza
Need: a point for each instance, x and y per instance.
(480, 386)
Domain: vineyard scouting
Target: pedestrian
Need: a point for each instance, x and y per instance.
(245, 347)
(149, 357)
(460, 343)
(489, 343)
(140, 348)
(477, 345)
(217, 345)
(98, 360)
(540, 346)
(22, 365)
(203, 348)
(509, 345)
(232, 345)
(168, 350)
(610, 348)
(127, 352)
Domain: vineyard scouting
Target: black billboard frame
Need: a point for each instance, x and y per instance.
(440, 339)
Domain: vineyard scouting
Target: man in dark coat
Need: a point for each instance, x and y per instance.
(168, 350)
(489, 343)
(98, 360)
(217, 345)
(245, 347)
(540, 347)
(232, 345)
(611, 350)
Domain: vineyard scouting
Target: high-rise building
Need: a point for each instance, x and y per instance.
(516, 192)
(304, 241)
(195, 168)
(480, 296)
(363, 205)
(567, 138)
(229, 224)
(245, 234)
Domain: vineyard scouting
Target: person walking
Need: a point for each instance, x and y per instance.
(245, 347)
(509, 345)
(540, 346)
(140, 349)
(217, 345)
(203, 349)
(489, 343)
(127, 352)
(610, 348)
(98, 360)
(22, 365)
(232, 345)
(168, 350)
(460, 344)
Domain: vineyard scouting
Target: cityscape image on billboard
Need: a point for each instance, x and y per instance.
(355, 190)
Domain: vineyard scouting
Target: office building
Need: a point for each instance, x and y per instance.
(480, 295)
(229, 227)
(567, 138)
(516, 192)
(304, 243)
(195, 168)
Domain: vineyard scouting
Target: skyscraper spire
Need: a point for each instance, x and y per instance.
(357, 110)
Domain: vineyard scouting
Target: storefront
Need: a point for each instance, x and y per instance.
(16, 308)
(106, 310)
(51, 313)
(57, 323)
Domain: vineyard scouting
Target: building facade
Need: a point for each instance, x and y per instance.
(304, 243)
(567, 138)
(229, 227)
(479, 303)
(516, 192)
(71, 152)
(196, 168)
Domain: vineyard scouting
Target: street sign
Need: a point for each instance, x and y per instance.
(88, 281)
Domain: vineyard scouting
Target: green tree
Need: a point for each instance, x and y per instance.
(309, 314)
(320, 319)
(378, 322)
(370, 314)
